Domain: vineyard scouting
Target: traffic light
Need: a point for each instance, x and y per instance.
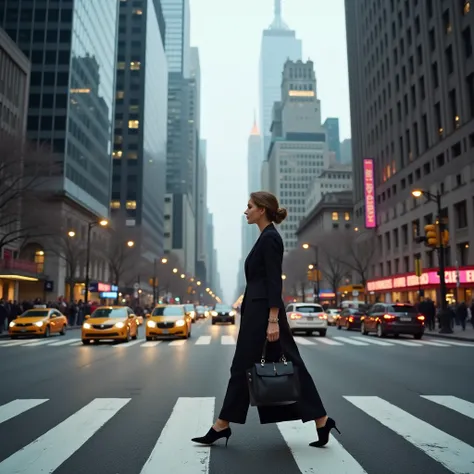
(418, 267)
(150, 281)
(314, 275)
(445, 238)
(432, 235)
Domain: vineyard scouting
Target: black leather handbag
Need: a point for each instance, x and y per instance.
(273, 383)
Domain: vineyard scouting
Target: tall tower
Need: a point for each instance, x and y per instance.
(279, 43)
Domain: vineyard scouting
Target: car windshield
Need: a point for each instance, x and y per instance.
(189, 307)
(168, 311)
(200, 308)
(109, 313)
(402, 308)
(35, 313)
(309, 309)
(222, 307)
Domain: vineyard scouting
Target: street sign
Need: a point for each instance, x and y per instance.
(48, 286)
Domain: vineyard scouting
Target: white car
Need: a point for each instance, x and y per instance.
(332, 316)
(307, 317)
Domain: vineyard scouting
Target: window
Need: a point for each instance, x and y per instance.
(131, 205)
(115, 205)
(137, 11)
(335, 216)
(121, 65)
(460, 210)
(132, 155)
(467, 7)
(133, 124)
(135, 65)
(466, 36)
(447, 22)
(117, 154)
(120, 94)
(450, 59)
(346, 216)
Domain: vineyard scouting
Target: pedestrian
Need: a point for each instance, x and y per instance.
(264, 318)
(461, 314)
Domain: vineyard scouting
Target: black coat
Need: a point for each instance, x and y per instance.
(263, 272)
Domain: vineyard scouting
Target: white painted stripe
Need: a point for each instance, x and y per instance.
(228, 340)
(329, 342)
(457, 404)
(49, 451)
(151, 344)
(203, 340)
(174, 451)
(335, 459)
(304, 342)
(5, 341)
(65, 342)
(405, 343)
(424, 342)
(452, 453)
(44, 342)
(372, 340)
(20, 342)
(178, 342)
(456, 343)
(77, 344)
(127, 344)
(16, 407)
(350, 340)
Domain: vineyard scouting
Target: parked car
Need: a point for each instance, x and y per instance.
(307, 317)
(350, 318)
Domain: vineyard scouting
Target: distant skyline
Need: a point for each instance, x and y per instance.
(229, 35)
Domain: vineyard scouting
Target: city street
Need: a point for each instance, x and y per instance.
(402, 407)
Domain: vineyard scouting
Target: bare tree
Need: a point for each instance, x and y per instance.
(295, 266)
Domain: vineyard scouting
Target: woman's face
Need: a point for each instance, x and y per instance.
(253, 212)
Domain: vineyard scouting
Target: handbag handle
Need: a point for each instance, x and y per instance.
(264, 352)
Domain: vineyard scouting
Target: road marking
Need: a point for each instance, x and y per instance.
(49, 451)
(457, 404)
(228, 340)
(128, 344)
(335, 459)
(21, 342)
(151, 344)
(350, 340)
(431, 343)
(77, 344)
(174, 451)
(179, 342)
(455, 343)
(329, 342)
(372, 340)
(452, 453)
(40, 343)
(16, 407)
(304, 342)
(65, 342)
(405, 343)
(203, 340)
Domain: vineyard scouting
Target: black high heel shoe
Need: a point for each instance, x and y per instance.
(323, 433)
(212, 436)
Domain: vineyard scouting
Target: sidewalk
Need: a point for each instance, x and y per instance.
(458, 333)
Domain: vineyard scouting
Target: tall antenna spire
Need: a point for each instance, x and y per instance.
(278, 9)
(278, 23)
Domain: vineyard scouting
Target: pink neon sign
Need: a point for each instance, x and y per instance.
(369, 192)
(430, 277)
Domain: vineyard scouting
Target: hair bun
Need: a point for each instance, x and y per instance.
(280, 215)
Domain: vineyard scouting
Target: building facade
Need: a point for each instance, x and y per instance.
(346, 152)
(139, 154)
(202, 259)
(411, 76)
(331, 124)
(299, 152)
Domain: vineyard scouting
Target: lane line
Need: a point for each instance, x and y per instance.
(16, 407)
(179, 342)
(329, 342)
(405, 343)
(452, 453)
(333, 460)
(304, 342)
(65, 342)
(49, 451)
(203, 340)
(174, 451)
(128, 344)
(372, 340)
(151, 344)
(454, 403)
(228, 340)
(350, 340)
(425, 342)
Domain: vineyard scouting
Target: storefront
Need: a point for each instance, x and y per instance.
(406, 287)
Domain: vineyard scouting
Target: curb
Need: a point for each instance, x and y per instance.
(448, 336)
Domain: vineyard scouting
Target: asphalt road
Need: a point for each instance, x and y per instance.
(132, 408)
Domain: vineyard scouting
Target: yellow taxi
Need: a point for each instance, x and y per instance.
(168, 321)
(38, 322)
(117, 323)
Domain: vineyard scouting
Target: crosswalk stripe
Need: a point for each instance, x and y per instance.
(456, 343)
(372, 340)
(452, 453)
(203, 340)
(65, 342)
(351, 340)
(77, 344)
(179, 342)
(49, 451)
(128, 344)
(405, 343)
(454, 403)
(21, 342)
(16, 407)
(174, 451)
(151, 344)
(334, 460)
(425, 342)
(304, 342)
(228, 340)
(39, 343)
(329, 342)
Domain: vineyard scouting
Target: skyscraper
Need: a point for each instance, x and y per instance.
(331, 125)
(279, 43)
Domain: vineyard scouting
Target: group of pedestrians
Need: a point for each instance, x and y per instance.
(460, 313)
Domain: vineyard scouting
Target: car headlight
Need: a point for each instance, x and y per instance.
(12, 324)
(180, 322)
(214, 313)
(39, 323)
(119, 325)
(232, 313)
(151, 324)
(86, 326)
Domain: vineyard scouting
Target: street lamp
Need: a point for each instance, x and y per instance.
(283, 277)
(316, 265)
(164, 260)
(445, 319)
(183, 275)
(130, 243)
(102, 223)
(175, 270)
(71, 233)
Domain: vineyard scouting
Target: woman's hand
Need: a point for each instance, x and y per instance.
(273, 332)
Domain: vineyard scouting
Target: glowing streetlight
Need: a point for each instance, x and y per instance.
(130, 243)
(310, 266)
(207, 289)
(198, 283)
(71, 233)
(283, 277)
(305, 246)
(104, 222)
(183, 275)
(164, 260)
(175, 270)
(417, 193)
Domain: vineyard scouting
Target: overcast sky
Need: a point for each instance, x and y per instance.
(228, 34)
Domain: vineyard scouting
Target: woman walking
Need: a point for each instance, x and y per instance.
(263, 317)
